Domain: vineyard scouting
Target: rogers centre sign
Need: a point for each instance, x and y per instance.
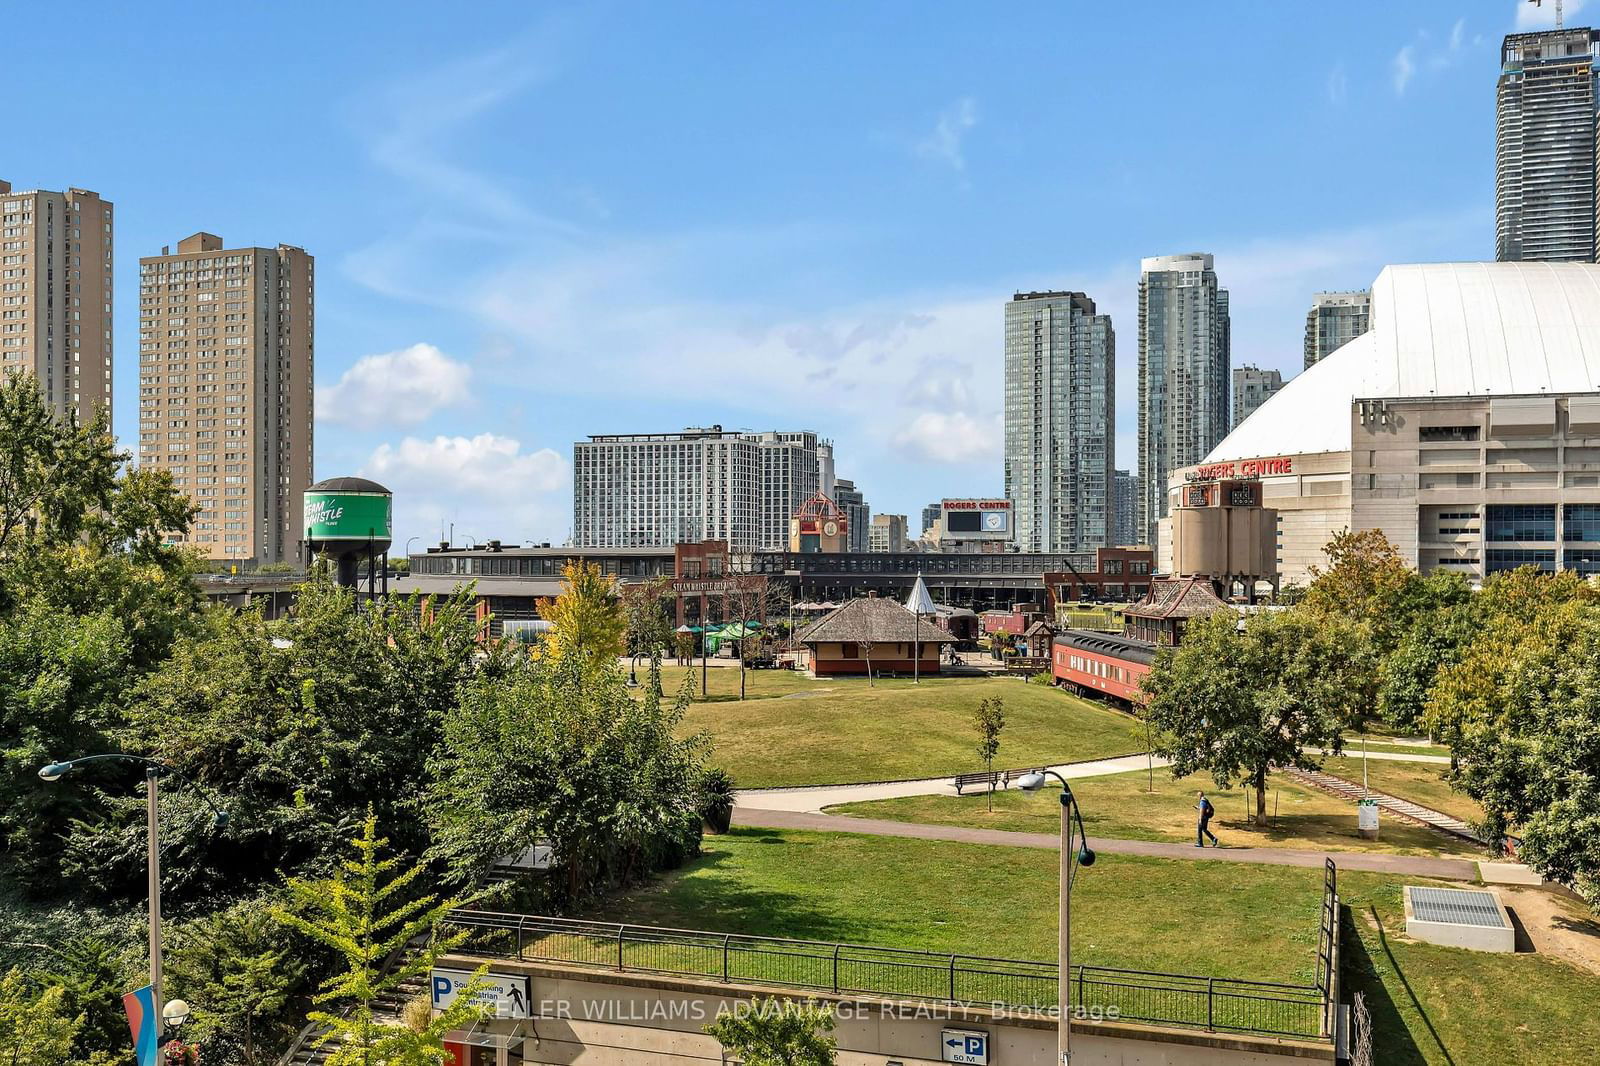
(1282, 464)
(977, 505)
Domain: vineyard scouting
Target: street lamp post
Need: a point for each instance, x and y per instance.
(153, 770)
(1084, 856)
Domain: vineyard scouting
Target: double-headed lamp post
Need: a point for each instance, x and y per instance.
(1083, 856)
(176, 1012)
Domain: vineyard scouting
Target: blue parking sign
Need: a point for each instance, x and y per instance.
(964, 1045)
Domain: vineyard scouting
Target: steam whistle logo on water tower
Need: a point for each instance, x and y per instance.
(323, 513)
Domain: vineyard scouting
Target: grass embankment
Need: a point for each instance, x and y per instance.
(804, 732)
(1120, 806)
(1432, 1005)
(1454, 1007)
(1419, 782)
(1216, 919)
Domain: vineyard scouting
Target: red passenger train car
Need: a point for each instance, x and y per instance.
(1101, 664)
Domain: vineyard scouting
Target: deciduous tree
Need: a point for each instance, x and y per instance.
(36, 1028)
(238, 969)
(1522, 711)
(588, 624)
(1237, 702)
(549, 753)
(989, 720)
(777, 1033)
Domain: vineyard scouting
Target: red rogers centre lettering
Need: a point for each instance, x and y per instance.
(1246, 468)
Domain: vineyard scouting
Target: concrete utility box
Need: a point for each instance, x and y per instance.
(1459, 918)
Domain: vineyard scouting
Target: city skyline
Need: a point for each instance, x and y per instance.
(464, 277)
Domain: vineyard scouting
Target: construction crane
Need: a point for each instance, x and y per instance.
(1540, 4)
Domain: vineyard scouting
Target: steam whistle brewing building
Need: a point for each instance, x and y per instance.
(1465, 425)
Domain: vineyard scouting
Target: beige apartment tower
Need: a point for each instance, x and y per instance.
(55, 295)
(225, 387)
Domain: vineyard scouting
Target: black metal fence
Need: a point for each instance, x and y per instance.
(1211, 1003)
(1328, 948)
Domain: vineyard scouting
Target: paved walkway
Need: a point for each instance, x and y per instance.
(1378, 862)
(817, 797)
(1393, 756)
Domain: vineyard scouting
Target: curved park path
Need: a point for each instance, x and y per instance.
(813, 798)
(802, 808)
(1410, 865)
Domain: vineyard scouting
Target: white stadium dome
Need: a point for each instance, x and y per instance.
(1440, 329)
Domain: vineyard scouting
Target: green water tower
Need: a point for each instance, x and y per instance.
(349, 519)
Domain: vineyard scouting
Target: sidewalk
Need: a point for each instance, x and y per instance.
(816, 797)
(1408, 865)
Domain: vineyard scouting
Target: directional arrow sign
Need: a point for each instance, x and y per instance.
(964, 1045)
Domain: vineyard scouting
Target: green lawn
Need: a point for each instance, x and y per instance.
(1120, 806)
(1216, 919)
(1419, 782)
(723, 681)
(805, 732)
(1453, 1007)
(1432, 1005)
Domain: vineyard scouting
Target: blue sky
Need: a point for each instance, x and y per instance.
(535, 222)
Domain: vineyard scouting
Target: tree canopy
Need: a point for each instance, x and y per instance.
(1236, 701)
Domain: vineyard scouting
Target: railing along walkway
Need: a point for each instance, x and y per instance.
(1210, 1003)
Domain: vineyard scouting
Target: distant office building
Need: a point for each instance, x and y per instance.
(930, 515)
(1251, 387)
(1060, 420)
(1184, 339)
(1125, 510)
(825, 473)
(660, 489)
(854, 505)
(55, 295)
(226, 359)
(1335, 319)
(1545, 159)
(888, 533)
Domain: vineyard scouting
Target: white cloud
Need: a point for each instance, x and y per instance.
(400, 388)
(1404, 67)
(487, 481)
(1338, 84)
(944, 143)
(487, 463)
(1431, 53)
(954, 437)
(1543, 16)
(907, 378)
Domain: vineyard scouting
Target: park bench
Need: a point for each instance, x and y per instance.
(996, 778)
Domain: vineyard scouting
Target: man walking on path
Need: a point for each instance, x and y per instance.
(1203, 829)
